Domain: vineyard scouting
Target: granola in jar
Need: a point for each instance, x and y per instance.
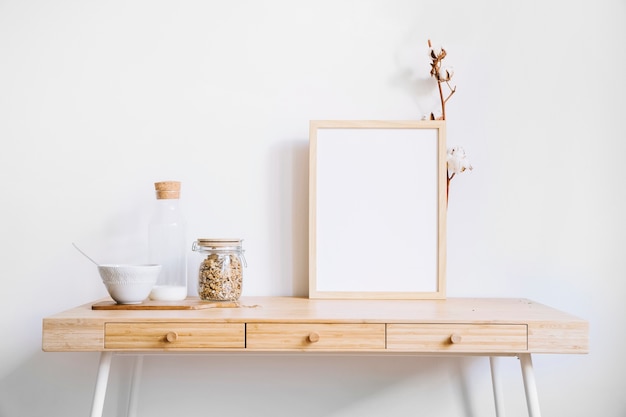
(220, 275)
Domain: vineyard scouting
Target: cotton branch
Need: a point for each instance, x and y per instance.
(442, 75)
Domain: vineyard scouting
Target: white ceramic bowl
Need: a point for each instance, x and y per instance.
(129, 284)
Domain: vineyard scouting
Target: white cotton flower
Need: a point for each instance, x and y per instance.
(457, 161)
(445, 74)
(435, 51)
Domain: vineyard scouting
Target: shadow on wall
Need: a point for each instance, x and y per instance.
(302, 385)
(289, 173)
(50, 384)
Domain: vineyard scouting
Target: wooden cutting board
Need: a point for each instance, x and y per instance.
(190, 303)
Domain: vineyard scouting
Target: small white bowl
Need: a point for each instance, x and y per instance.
(129, 284)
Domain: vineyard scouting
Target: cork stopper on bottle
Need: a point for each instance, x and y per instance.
(167, 189)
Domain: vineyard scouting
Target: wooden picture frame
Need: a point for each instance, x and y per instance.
(377, 209)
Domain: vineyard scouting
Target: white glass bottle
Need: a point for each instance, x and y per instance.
(167, 243)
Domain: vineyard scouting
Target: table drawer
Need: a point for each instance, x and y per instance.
(466, 338)
(315, 336)
(172, 336)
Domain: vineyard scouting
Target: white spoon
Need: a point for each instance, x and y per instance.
(85, 255)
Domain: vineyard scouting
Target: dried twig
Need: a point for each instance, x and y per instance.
(442, 75)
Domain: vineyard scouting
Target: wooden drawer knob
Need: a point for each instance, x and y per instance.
(455, 338)
(313, 337)
(171, 337)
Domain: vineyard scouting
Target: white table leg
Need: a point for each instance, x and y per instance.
(530, 386)
(497, 386)
(102, 380)
(134, 386)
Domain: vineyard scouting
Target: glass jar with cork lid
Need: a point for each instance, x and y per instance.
(220, 275)
(167, 243)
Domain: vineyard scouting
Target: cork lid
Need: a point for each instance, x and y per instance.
(218, 243)
(167, 189)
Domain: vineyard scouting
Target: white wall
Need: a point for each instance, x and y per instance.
(100, 99)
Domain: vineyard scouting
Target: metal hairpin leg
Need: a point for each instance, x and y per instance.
(497, 386)
(134, 386)
(102, 380)
(530, 386)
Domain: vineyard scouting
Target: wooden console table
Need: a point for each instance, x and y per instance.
(456, 326)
